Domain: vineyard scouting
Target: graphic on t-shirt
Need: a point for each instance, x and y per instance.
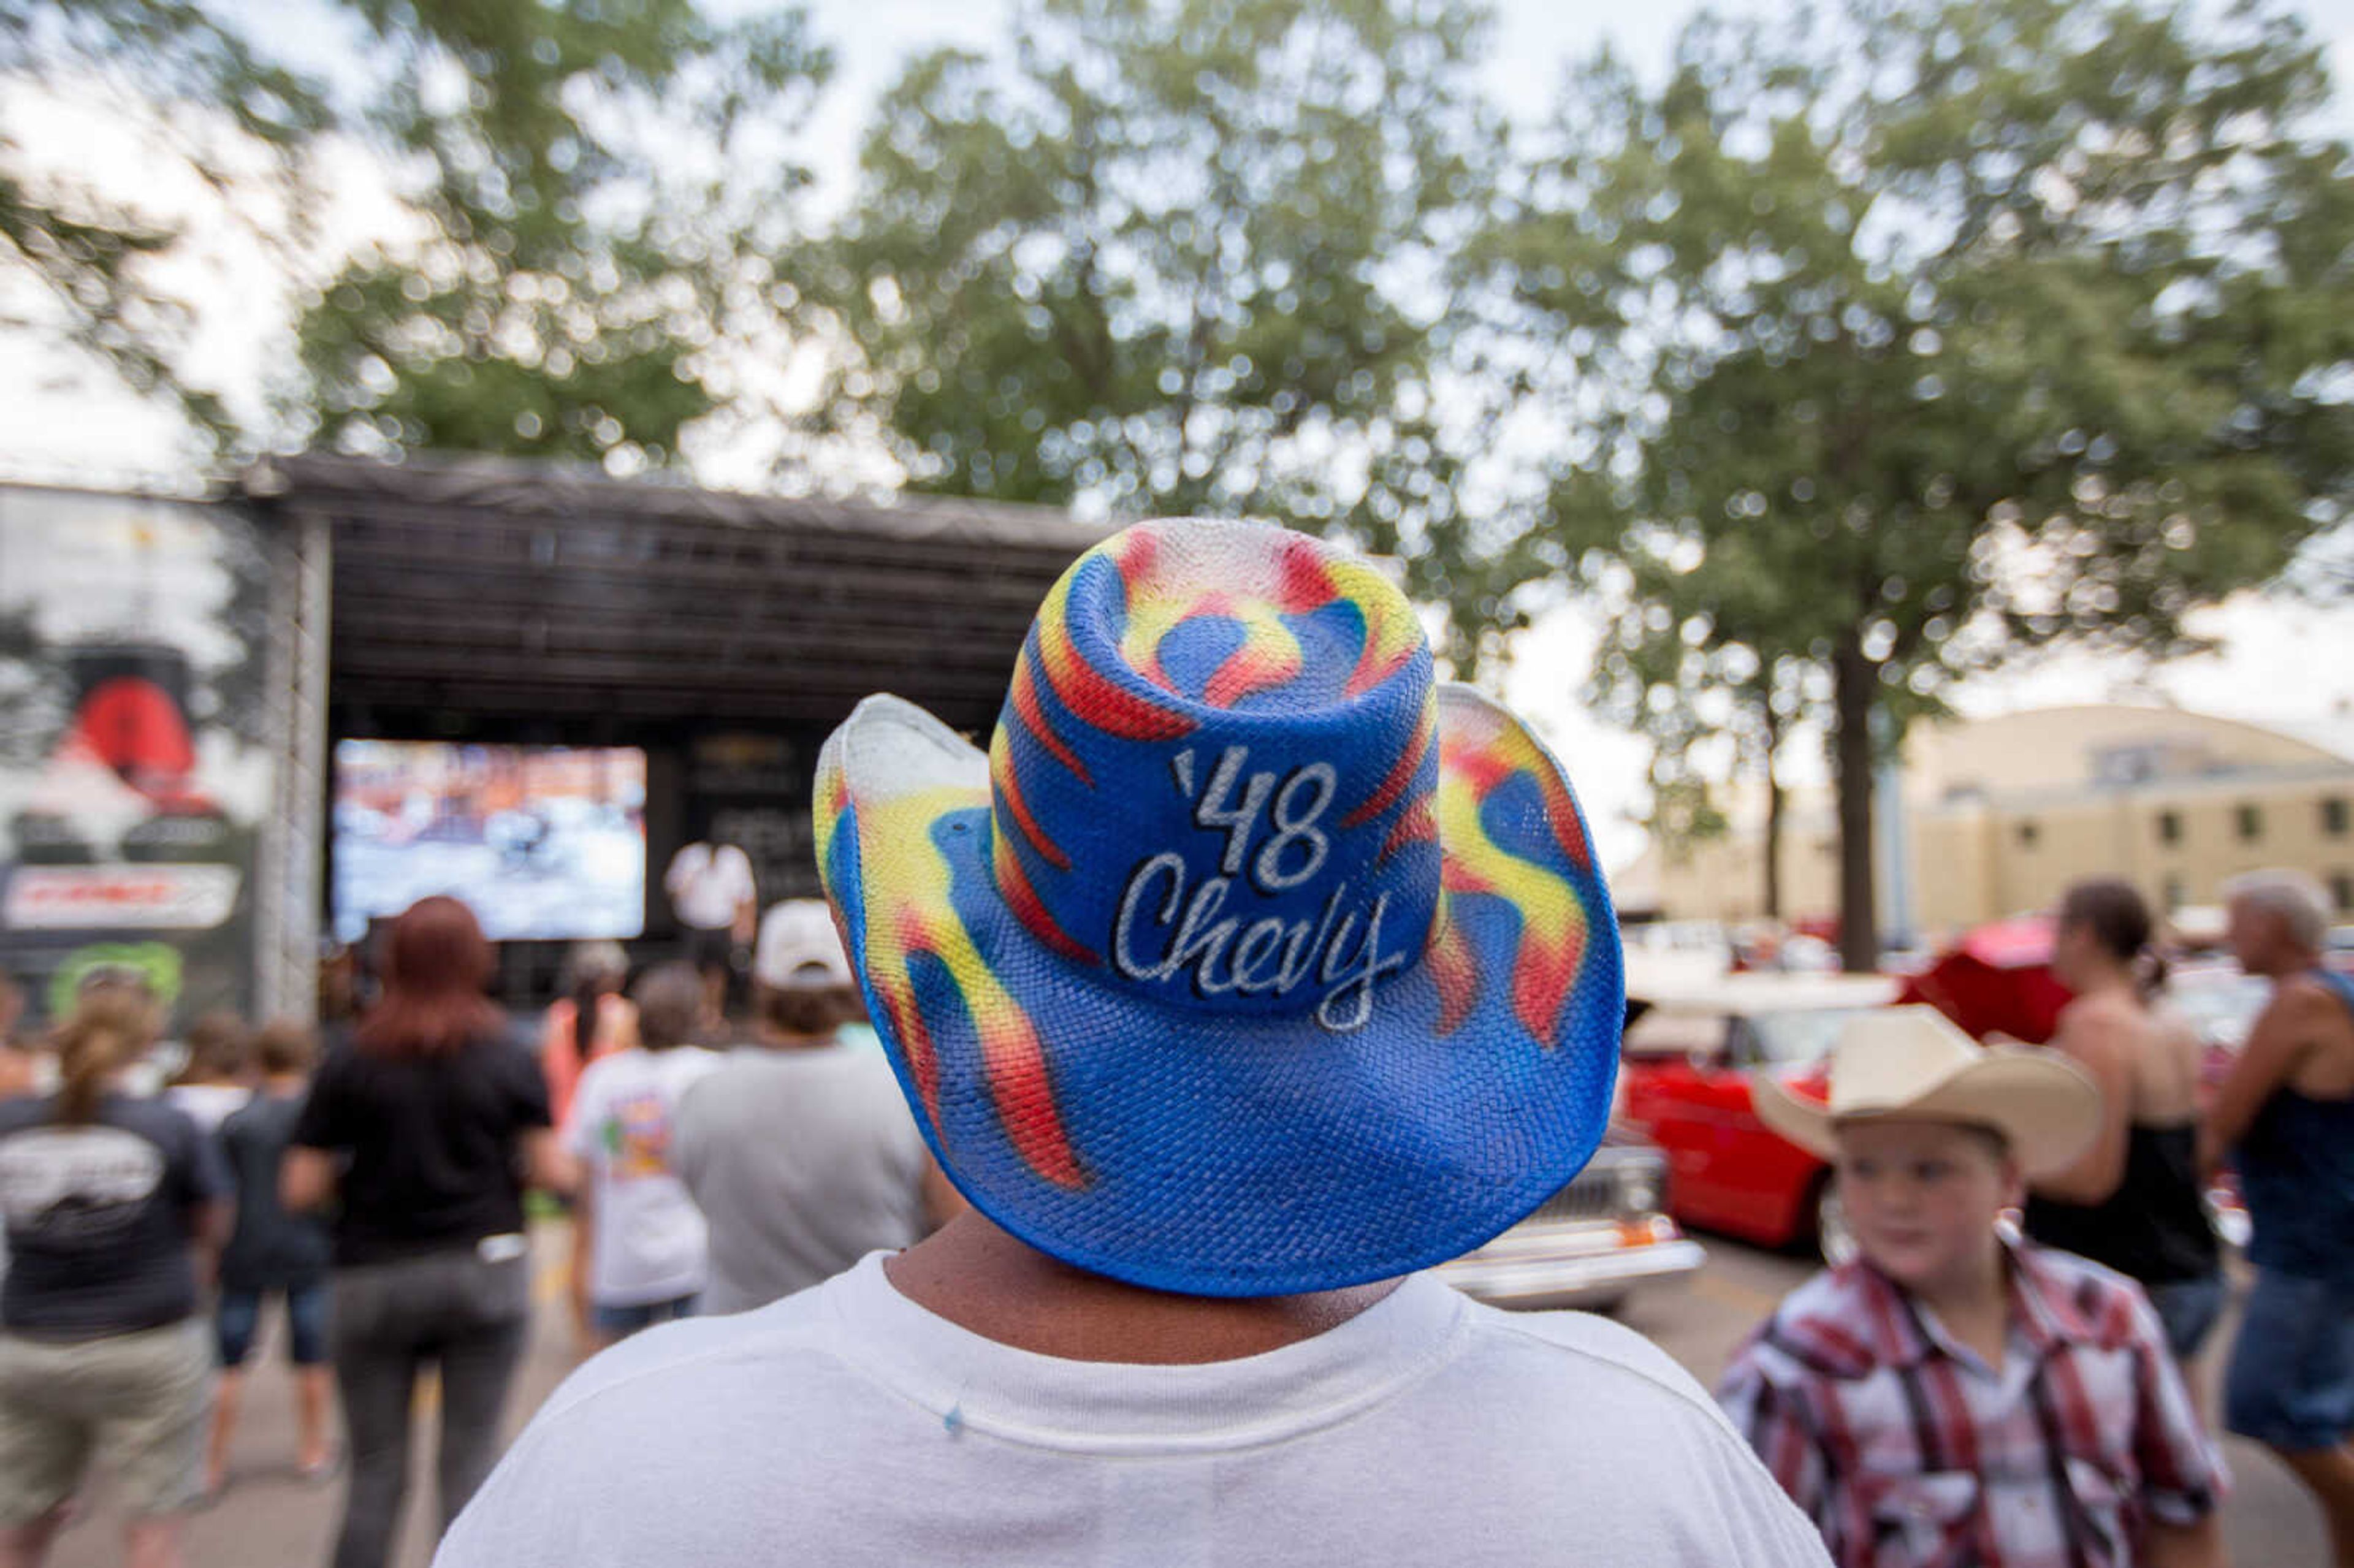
(75, 1184)
(637, 1136)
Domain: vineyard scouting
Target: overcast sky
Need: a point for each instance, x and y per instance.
(59, 423)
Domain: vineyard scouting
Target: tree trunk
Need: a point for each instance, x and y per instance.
(1854, 689)
(1773, 815)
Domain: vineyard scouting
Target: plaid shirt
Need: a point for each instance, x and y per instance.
(1906, 1448)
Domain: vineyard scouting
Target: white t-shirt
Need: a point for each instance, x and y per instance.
(847, 1425)
(802, 1161)
(707, 884)
(208, 1104)
(649, 1243)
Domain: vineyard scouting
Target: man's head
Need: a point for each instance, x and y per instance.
(801, 985)
(220, 1049)
(670, 1003)
(2278, 920)
(1247, 959)
(1922, 1196)
(284, 1048)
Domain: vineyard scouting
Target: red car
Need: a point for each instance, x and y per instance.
(1684, 1081)
(1997, 981)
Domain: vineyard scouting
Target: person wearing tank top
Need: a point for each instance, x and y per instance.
(2132, 1203)
(2287, 1108)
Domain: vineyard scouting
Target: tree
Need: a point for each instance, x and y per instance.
(1975, 327)
(606, 201)
(100, 262)
(588, 204)
(1693, 652)
(1182, 256)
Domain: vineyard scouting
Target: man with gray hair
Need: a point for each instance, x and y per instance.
(2288, 1108)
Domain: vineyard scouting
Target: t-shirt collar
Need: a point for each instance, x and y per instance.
(976, 1384)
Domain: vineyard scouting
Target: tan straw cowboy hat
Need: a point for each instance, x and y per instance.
(1913, 1063)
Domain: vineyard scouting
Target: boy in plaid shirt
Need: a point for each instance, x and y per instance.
(1954, 1396)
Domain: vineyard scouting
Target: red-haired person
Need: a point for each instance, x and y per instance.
(427, 1126)
(113, 1204)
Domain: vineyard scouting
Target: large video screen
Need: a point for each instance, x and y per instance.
(543, 843)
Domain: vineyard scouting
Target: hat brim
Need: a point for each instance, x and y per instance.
(1218, 1154)
(2049, 1112)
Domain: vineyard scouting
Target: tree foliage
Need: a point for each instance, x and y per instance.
(593, 209)
(607, 196)
(99, 260)
(1180, 256)
(1918, 335)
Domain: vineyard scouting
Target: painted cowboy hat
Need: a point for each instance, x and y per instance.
(1249, 959)
(1913, 1063)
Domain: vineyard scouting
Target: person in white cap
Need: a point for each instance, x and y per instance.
(1952, 1394)
(800, 1151)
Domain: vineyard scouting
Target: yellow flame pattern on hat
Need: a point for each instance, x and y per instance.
(897, 834)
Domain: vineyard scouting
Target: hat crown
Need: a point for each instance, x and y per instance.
(1889, 1056)
(1212, 776)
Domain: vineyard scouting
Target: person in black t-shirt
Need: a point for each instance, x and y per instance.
(113, 1205)
(427, 1126)
(273, 1252)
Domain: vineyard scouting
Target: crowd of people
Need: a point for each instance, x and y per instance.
(1212, 1007)
(376, 1196)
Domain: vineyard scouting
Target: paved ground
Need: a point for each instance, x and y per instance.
(270, 1520)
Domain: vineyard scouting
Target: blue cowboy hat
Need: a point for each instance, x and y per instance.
(1249, 959)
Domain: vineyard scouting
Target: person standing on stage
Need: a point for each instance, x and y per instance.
(712, 893)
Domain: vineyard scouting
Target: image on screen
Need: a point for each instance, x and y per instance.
(543, 842)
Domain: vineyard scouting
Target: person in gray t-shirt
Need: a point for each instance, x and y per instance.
(801, 1152)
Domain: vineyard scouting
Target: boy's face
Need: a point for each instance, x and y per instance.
(1923, 1198)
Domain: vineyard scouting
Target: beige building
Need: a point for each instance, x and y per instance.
(1999, 815)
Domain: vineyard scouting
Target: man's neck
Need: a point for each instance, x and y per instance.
(984, 1281)
(2288, 961)
(769, 1039)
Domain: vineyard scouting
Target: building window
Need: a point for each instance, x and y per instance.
(2170, 827)
(2173, 893)
(2333, 816)
(2252, 822)
(2026, 835)
(2341, 891)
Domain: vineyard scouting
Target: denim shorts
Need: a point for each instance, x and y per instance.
(307, 1306)
(2291, 1384)
(619, 1322)
(2188, 1308)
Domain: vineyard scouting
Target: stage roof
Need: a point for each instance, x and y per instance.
(498, 588)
